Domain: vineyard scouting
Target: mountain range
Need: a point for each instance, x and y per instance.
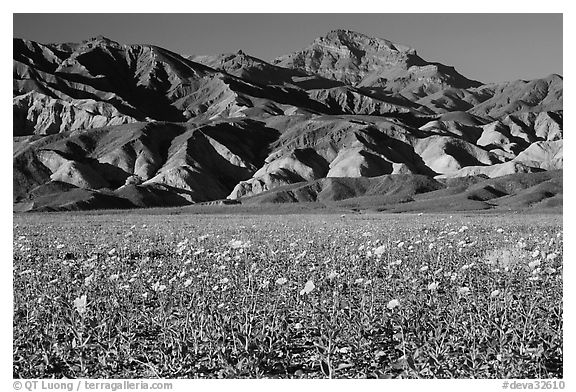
(351, 120)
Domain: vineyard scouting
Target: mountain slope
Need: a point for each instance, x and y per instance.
(360, 60)
(350, 119)
(260, 72)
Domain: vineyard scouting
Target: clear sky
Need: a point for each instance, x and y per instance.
(485, 47)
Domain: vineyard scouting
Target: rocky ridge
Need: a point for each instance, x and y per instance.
(100, 124)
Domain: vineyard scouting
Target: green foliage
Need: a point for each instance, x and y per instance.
(294, 296)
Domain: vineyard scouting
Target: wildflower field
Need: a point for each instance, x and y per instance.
(289, 296)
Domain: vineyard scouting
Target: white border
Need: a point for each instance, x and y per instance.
(301, 6)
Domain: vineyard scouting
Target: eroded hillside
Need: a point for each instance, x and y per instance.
(100, 124)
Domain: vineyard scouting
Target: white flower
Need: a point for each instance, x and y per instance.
(80, 304)
(281, 281)
(114, 277)
(358, 281)
(88, 279)
(535, 253)
(499, 230)
(264, 284)
(551, 256)
(401, 244)
(534, 264)
(433, 286)
(494, 293)
(234, 244)
(392, 304)
(308, 287)
(332, 275)
(424, 268)
(224, 281)
(463, 291)
(188, 282)
(379, 251)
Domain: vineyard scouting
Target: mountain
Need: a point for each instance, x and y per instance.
(99, 124)
(260, 72)
(359, 60)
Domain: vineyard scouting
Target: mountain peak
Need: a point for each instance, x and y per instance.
(349, 56)
(344, 33)
(363, 61)
(356, 40)
(555, 77)
(101, 40)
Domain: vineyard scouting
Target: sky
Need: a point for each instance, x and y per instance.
(484, 47)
